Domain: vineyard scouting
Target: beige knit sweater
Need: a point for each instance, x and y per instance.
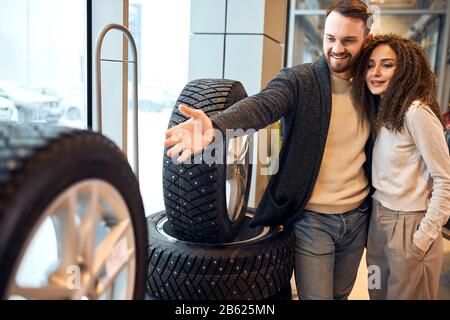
(341, 184)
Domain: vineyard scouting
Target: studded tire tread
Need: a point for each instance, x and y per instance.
(254, 270)
(194, 194)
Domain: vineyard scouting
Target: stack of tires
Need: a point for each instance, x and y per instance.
(201, 247)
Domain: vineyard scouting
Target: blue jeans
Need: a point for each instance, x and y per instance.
(328, 250)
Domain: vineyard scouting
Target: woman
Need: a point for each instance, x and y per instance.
(410, 169)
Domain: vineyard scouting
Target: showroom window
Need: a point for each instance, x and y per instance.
(43, 58)
(44, 70)
(161, 31)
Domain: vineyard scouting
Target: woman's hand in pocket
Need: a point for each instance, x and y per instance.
(419, 252)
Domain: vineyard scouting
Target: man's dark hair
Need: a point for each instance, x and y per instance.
(353, 9)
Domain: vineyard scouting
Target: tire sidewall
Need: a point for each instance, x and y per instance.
(157, 238)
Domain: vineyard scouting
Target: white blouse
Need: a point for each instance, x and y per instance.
(409, 166)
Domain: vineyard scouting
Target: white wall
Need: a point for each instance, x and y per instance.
(239, 40)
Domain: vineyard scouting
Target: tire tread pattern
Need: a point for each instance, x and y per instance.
(255, 272)
(191, 191)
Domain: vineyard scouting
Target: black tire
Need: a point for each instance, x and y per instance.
(37, 164)
(284, 294)
(195, 194)
(257, 266)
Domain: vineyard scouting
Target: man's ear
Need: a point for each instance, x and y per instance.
(368, 39)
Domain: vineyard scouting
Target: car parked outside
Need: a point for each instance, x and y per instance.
(8, 111)
(32, 106)
(152, 99)
(71, 100)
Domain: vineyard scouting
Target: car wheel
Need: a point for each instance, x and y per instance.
(74, 113)
(258, 265)
(72, 223)
(26, 115)
(206, 202)
(284, 294)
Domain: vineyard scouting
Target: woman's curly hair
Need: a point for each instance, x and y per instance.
(413, 80)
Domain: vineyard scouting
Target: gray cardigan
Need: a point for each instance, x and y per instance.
(302, 96)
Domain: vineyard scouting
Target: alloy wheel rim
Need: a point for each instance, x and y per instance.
(237, 174)
(82, 247)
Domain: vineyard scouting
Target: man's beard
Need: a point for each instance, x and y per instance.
(343, 65)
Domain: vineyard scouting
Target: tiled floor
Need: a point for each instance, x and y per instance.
(360, 289)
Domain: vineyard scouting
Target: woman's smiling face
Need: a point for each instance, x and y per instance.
(381, 69)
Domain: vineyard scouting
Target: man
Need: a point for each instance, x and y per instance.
(321, 186)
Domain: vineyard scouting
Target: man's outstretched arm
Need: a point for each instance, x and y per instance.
(263, 108)
(190, 136)
(255, 112)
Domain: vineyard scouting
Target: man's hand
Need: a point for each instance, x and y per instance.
(190, 136)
